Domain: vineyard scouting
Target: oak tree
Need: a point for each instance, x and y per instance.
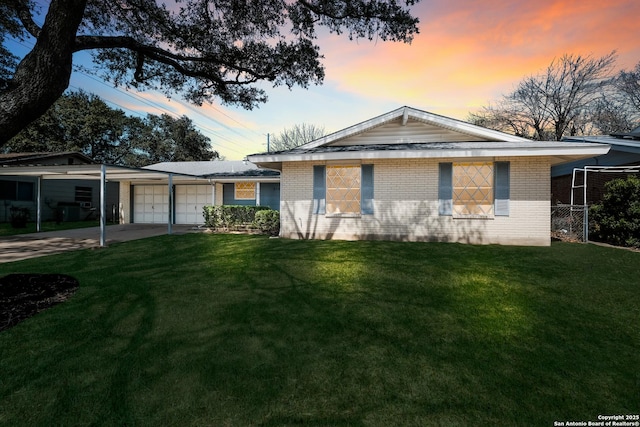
(200, 49)
(83, 122)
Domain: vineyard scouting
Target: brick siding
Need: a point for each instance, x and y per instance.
(406, 206)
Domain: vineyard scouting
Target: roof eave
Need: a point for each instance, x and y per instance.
(558, 154)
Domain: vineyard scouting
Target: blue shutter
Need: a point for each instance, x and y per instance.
(366, 190)
(319, 190)
(445, 189)
(502, 190)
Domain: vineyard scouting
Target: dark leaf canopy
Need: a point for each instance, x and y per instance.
(205, 49)
(200, 49)
(84, 123)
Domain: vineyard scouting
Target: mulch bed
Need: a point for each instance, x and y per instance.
(24, 295)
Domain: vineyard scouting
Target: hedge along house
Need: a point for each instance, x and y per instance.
(417, 176)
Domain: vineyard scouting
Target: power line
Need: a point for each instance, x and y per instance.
(157, 106)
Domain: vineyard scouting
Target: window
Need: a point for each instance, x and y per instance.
(474, 189)
(84, 194)
(245, 190)
(343, 190)
(17, 191)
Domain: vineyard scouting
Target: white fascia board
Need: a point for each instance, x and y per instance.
(91, 172)
(468, 128)
(573, 152)
(355, 129)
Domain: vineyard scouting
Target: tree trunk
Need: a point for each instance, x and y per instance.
(43, 74)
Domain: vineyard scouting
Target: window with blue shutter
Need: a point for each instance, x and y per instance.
(445, 189)
(319, 190)
(367, 190)
(502, 188)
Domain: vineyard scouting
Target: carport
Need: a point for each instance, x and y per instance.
(103, 173)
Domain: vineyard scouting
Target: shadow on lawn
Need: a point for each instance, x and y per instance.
(327, 333)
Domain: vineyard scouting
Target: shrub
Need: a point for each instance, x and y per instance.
(231, 217)
(616, 219)
(268, 222)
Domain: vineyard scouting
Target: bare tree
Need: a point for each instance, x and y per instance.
(628, 83)
(611, 113)
(571, 84)
(558, 101)
(295, 136)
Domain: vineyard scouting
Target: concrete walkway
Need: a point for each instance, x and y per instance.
(23, 246)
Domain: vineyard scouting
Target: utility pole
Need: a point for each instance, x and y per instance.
(268, 148)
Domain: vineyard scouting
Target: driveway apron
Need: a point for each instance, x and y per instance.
(15, 248)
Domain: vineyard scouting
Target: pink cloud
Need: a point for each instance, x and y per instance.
(482, 48)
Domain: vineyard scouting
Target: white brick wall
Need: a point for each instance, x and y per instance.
(406, 206)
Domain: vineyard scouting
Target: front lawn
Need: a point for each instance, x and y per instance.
(236, 330)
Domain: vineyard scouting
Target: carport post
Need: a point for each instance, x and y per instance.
(170, 203)
(103, 207)
(38, 204)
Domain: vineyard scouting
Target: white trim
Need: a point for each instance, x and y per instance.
(423, 116)
(556, 151)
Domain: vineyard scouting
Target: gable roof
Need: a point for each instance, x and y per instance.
(410, 133)
(416, 126)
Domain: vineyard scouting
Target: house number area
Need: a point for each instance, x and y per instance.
(628, 420)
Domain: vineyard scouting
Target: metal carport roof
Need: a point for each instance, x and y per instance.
(103, 173)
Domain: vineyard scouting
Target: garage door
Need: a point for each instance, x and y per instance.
(150, 204)
(190, 199)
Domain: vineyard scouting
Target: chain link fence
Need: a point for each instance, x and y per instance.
(569, 222)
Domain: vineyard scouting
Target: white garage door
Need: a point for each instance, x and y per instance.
(150, 204)
(190, 199)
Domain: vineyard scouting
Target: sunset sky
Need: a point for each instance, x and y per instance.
(467, 54)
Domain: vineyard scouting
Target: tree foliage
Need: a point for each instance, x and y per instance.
(574, 95)
(295, 136)
(165, 139)
(85, 123)
(201, 49)
(617, 216)
(628, 83)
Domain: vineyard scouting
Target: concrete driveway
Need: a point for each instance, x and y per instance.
(23, 246)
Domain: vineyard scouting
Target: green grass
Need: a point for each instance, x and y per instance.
(244, 330)
(7, 230)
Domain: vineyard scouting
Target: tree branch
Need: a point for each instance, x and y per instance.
(24, 14)
(168, 58)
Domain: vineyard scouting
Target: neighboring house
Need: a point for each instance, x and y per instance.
(625, 151)
(214, 183)
(417, 176)
(67, 199)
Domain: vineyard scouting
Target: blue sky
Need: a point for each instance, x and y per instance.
(467, 54)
